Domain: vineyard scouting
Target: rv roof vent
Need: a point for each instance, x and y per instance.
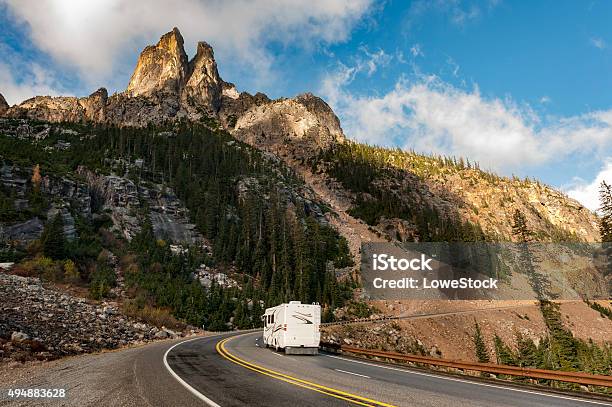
(294, 302)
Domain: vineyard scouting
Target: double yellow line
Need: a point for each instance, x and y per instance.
(339, 394)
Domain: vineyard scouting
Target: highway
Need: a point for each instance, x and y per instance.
(232, 369)
(239, 372)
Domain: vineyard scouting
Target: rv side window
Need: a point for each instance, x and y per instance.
(272, 318)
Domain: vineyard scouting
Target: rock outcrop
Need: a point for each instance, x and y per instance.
(3, 105)
(305, 120)
(165, 85)
(94, 106)
(161, 67)
(64, 108)
(204, 88)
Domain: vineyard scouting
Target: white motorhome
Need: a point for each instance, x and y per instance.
(293, 327)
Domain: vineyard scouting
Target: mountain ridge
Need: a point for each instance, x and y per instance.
(167, 85)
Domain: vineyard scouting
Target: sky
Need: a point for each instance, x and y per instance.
(523, 88)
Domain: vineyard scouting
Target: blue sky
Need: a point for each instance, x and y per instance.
(522, 87)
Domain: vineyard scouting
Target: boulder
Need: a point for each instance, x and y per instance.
(161, 335)
(19, 336)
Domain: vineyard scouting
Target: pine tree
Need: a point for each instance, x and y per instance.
(605, 227)
(519, 227)
(527, 352)
(605, 209)
(52, 239)
(539, 283)
(562, 349)
(503, 353)
(481, 348)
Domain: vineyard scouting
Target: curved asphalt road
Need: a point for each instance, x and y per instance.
(158, 375)
(254, 379)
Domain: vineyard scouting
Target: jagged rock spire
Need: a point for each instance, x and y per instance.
(160, 67)
(165, 85)
(3, 105)
(204, 86)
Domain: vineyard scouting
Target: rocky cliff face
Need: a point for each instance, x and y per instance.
(161, 67)
(165, 85)
(63, 108)
(205, 86)
(491, 203)
(306, 121)
(3, 105)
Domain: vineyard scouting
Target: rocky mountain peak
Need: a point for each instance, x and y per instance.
(101, 93)
(3, 105)
(167, 85)
(204, 51)
(324, 113)
(160, 67)
(304, 124)
(204, 86)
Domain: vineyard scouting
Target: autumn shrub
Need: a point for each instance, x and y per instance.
(42, 267)
(151, 315)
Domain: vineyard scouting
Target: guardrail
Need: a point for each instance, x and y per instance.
(562, 376)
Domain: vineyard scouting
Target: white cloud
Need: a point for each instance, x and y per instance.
(454, 66)
(587, 193)
(92, 35)
(430, 115)
(598, 43)
(372, 61)
(35, 81)
(545, 100)
(416, 50)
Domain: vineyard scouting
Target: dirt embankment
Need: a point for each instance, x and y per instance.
(449, 335)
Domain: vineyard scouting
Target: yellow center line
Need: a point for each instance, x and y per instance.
(290, 381)
(295, 383)
(353, 398)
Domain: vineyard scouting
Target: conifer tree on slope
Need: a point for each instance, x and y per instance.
(527, 257)
(605, 209)
(53, 240)
(605, 227)
(479, 344)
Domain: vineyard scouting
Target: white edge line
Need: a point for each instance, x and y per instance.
(473, 382)
(183, 382)
(355, 374)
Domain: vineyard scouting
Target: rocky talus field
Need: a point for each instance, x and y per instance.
(45, 323)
